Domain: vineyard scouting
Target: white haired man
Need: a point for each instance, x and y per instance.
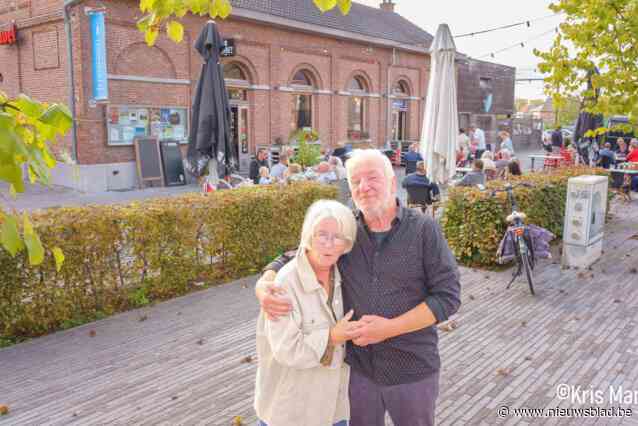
(400, 279)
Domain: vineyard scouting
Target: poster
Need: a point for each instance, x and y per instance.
(114, 135)
(128, 133)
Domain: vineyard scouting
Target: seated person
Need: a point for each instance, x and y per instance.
(504, 157)
(336, 165)
(514, 168)
(489, 167)
(622, 150)
(264, 176)
(411, 157)
(278, 170)
(294, 173)
(632, 157)
(419, 179)
(475, 177)
(606, 157)
(323, 174)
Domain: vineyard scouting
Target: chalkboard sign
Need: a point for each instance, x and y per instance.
(172, 161)
(149, 161)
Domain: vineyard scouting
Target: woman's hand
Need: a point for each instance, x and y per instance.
(339, 333)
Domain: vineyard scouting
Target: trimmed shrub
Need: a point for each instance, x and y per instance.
(121, 257)
(474, 222)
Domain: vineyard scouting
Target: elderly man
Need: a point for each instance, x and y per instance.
(400, 279)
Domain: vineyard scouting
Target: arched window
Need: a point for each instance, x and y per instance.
(233, 71)
(302, 78)
(302, 81)
(401, 88)
(400, 104)
(236, 81)
(357, 108)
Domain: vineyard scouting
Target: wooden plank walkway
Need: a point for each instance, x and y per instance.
(186, 362)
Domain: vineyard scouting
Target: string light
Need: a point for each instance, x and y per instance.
(519, 44)
(503, 27)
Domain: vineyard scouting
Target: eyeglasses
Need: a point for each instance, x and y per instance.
(325, 238)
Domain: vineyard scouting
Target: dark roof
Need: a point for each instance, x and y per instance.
(362, 19)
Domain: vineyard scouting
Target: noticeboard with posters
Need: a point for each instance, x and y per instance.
(127, 122)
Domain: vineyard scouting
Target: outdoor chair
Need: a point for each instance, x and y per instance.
(410, 167)
(419, 198)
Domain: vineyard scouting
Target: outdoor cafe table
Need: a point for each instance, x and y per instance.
(544, 157)
(630, 172)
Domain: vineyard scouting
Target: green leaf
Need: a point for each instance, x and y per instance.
(344, 6)
(175, 31)
(59, 117)
(150, 36)
(10, 236)
(32, 241)
(146, 5)
(58, 255)
(28, 106)
(224, 8)
(12, 174)
(325, 5)
(143, 23)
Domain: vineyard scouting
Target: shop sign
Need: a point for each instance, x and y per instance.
(9, 36)
(99, 83)
(228, 47)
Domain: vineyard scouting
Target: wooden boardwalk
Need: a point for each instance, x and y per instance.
(184, 362)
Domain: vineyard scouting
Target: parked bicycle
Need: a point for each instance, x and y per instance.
(518, 234)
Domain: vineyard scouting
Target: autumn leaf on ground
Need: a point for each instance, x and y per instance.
(247, 360)
(523, 323)
(634, 237)
(92, 333)
(143, 318)
(200, 342)
(528, 358)
(4, 410)
(448, 326)
(633, 271)
(472, 297)
(237, 421)
(617, 301)
(503, 371)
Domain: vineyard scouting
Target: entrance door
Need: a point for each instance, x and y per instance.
(239, 132)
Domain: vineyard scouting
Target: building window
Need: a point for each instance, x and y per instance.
(302, 81)
(234, 72)
(126, 122)
(357, 107)
(485, 84)
(301, 111)
(400, 103)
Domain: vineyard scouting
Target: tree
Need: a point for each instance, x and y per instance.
(599, 35)
(165, 14)
(27, 127)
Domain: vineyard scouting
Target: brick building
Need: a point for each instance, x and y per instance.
(355, 78)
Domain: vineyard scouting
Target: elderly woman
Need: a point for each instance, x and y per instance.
(489, 168)
(301, 375)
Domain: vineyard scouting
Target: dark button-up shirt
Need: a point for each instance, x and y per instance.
(412, 265)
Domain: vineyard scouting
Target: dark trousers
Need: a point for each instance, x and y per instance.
(478, 154)
(410, 404)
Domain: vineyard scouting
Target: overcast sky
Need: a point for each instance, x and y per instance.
(464, 16)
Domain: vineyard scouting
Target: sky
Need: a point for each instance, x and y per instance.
(465, 16)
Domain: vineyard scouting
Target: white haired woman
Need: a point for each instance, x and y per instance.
(301, 375)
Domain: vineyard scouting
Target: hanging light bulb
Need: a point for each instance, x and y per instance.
(527, 24)
(492, 55)
(522, 44)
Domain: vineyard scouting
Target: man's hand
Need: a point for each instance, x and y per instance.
(370, 329)
(272, 298)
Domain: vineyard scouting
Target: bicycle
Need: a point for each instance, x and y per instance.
(521, 238)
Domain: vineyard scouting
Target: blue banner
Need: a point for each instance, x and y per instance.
(99, 83)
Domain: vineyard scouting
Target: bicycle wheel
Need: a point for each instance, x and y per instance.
(528, 271)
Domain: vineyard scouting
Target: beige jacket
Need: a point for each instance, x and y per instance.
(293, 387)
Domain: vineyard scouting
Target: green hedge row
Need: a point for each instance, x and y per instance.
(474, 222)
(119, 257)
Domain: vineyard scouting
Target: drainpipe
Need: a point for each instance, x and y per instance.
(388, 115)
(68, 4)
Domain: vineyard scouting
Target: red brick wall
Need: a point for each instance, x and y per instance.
(269, 55)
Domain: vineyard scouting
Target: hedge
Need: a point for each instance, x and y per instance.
(120, 257)
(474, 222)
